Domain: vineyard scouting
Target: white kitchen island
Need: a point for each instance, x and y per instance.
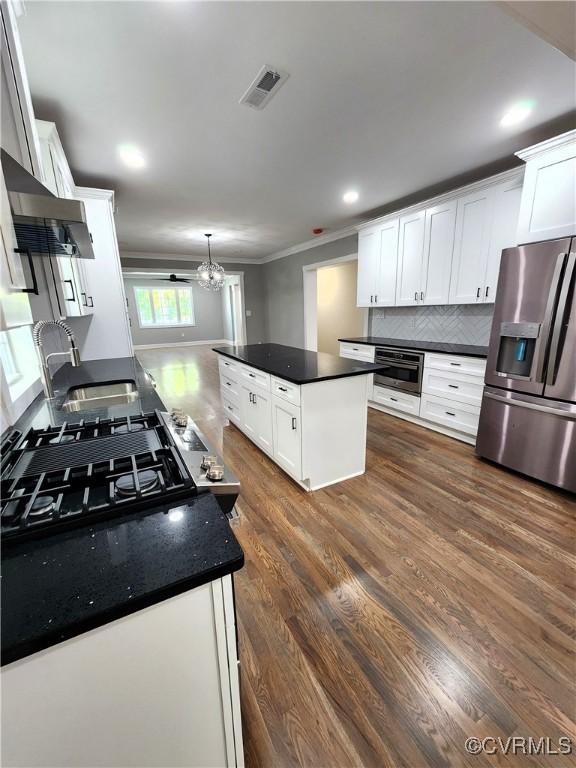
(306, 410)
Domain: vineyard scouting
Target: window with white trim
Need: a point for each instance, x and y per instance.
(164, 307)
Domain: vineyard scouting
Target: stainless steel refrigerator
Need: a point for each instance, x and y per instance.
(528, 414)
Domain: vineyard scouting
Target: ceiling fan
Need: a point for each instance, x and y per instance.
(175, 279)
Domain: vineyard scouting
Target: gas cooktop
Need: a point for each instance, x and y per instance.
(76, 473)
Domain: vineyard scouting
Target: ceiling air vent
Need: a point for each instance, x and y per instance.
(265, 85)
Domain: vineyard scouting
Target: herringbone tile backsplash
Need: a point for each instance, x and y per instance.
(455, 323)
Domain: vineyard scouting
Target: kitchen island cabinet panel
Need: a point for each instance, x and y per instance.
(315, 431)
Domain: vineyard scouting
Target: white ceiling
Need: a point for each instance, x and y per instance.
(388, 98)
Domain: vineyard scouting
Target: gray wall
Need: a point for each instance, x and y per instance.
(284, 289)
(253, 287)
(207, 316)
(456, 323)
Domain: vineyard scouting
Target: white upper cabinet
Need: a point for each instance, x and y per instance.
(368, 266)
(386, 283)
(410, 252)
(471, 246)
(57, 175)
(548, 208)
(377, 262)
(438, 246)
(445, 253)
(505, 209)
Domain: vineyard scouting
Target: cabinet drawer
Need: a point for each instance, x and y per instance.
(362, 352)
(400, 401)
(286, 390)
(473, 366)
(230, 389)
(458, 416)
(454, 386)
(228, 367)
(232, 410)
(255, 377)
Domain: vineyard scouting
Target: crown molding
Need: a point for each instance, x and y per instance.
(545, 146)
(330, 237)
(96, 194)
(181, 257)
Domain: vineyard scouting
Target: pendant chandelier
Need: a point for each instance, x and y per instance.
(211, 275)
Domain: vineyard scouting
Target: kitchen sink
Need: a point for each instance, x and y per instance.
(88, 397)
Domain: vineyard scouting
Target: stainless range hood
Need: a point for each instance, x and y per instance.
(44, 224)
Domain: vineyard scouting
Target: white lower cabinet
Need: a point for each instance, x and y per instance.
(286, 430)
(256, 415)
(157, 687)
(452, 387)
(301, 428)
(460, 387)
(457, 416)
(363, 352)
(398, 401)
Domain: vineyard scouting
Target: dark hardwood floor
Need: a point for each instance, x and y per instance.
(386, 619)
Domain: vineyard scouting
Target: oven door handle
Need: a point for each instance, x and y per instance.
(398, 364)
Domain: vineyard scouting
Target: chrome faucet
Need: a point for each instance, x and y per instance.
(73, 351)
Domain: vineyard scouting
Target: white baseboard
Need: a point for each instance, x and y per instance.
(183, 344)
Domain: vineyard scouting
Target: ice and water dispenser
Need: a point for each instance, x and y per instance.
(517, 347)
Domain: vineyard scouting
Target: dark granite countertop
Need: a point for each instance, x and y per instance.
(42, 412)
(64, 584)
(466, 350)
(299, 366)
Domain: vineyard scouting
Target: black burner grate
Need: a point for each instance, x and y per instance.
(61, 485)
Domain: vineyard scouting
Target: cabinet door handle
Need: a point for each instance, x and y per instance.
(229, 407)
(415, 295)
(454, 386)
(421, 295)
(72, 289)
(376, 299)
(85, 300)
(252, 375)
(34, 288)
(394, 399)
(228, 384)
(478, 293)
(449, 413)
(226, 363)
(250, 396)
(282, 389)
(456, 364)
(293, 422)
(371, 299)
(91, 302)
(487, 289)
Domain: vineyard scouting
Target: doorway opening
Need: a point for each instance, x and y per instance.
(233, 308)
(164, 312)
(330, 310)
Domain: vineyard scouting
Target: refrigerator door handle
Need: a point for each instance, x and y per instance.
(559, 321)
(548, 318)
(565, 414)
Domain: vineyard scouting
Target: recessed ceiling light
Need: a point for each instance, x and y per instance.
(350, 197)
(517, 113)
(131, 156)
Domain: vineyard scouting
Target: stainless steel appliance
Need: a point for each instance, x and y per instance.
(76, 473)
(44, 223)
(401, 369)
(528, 414)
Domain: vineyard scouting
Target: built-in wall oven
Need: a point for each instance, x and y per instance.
(401, 369)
